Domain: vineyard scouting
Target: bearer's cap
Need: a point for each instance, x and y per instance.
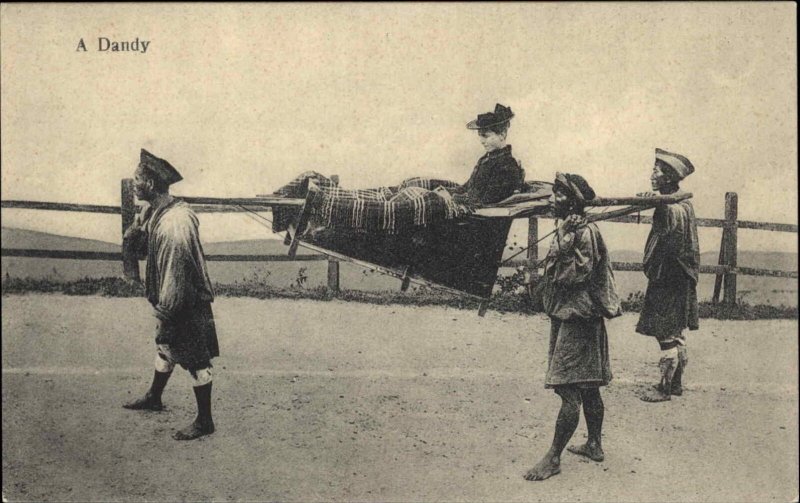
(678, 166)
(161, 168)
(500, 115)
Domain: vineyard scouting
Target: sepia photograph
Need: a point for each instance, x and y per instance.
(399, 252)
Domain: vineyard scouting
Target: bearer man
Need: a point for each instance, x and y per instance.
(178, 287)
(671, 263)
(579, 291)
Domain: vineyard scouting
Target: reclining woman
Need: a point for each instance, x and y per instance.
(497, 175)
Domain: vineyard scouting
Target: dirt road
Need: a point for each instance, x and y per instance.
(338, 401)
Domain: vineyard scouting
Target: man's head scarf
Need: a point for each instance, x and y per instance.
(576, 186)
(675, 166)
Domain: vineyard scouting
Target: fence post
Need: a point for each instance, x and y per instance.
(730, 244)
(533, 259)
(533, 246)
(130, 264)
(333, 264)
(333, 275)
(720, 261)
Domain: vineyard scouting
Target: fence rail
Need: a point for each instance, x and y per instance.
(117, 256)
(708, 222)
(704, 269)
(726, 270)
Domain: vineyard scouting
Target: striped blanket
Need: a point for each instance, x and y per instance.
(282, 217)
(415, 202)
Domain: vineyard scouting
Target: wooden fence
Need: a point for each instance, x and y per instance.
(726, 270)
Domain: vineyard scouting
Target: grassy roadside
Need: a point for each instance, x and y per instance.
(501, 301)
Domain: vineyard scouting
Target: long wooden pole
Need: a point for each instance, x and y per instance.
(639, 201)
(264, 201)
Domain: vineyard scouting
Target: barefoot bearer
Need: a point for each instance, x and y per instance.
(178, 287)
(671, 263)
(579, 291)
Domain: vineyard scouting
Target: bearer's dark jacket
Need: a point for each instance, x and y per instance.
(672, 264)
(178, 286)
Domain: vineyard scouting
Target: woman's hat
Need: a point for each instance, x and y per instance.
(500, 115)
(679, 167)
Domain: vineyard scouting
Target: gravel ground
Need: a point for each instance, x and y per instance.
(335, 401)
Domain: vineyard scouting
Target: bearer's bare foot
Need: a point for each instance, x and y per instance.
(656, 395)
(195, 430)
(146, 403)
(674, 390)
(544, 469)
(592, 451)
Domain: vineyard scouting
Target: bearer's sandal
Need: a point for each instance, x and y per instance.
(657, 395)
(674, 391)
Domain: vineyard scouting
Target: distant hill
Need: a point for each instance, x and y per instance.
(56, 269)
(755, 289)
(784, 261)
(24, 238)
(252, 246)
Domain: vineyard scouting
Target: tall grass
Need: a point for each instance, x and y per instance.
(505, 300)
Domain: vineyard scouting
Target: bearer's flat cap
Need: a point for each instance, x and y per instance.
(679, 166)
(159, 167)
(500, 115)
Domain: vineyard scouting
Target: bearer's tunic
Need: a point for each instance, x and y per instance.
(178, 286)
(579, 291)
(496, 176)
(671, 263)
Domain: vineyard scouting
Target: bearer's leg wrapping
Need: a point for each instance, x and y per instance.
(667, 365)
(677, 379)
(201, 377)
(164, 362)
(203, 424)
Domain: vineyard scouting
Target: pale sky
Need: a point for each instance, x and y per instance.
(241, 98)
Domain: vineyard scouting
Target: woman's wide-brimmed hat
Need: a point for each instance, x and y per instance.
(500, 115)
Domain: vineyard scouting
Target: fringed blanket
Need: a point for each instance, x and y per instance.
(415, 202)
(384, 209)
